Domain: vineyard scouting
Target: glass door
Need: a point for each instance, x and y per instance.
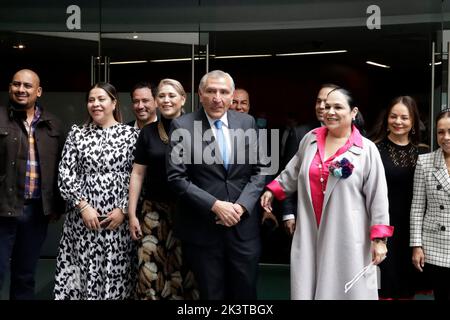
(133, 57)
(62, 61)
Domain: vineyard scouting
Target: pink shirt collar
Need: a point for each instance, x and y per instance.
(355, 136)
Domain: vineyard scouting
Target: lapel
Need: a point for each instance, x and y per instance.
(233, 123)
(350, 154)
(309, 156)
(201, 116)
(440, 173)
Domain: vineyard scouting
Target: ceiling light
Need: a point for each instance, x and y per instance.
(436, 63)
(19, 46)
(213, 57)
(244, 56)
(174, 60)
(378, 64)
(309, 53)
(135, 36)
(202, 57)
(129, 62)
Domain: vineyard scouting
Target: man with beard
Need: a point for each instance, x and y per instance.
(143, 105)
(31, 141)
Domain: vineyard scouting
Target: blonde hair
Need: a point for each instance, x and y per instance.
(174, 83)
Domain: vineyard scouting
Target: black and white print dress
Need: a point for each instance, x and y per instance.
(96, 166)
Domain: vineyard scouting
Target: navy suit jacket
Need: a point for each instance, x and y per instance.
(198, 184)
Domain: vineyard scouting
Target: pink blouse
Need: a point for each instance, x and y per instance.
(318, 172)
(318, 178)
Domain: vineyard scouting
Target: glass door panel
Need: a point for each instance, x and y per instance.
(135, 57)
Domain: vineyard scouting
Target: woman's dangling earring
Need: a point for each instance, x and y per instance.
(413, 131)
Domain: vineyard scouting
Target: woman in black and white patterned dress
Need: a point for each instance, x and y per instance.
(96, 253)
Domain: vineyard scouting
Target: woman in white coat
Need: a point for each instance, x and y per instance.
(342, 219)
(430, 215)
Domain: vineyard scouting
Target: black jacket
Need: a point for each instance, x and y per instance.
(198, 186)
(49, 139)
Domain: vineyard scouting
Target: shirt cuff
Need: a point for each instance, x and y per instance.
(288, 217)
(381, 231)
(277, 190)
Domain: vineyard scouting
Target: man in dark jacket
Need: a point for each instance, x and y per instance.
(217, 218)
(31, 141)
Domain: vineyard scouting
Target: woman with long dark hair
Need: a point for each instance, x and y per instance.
(96, 252)
(398, 140)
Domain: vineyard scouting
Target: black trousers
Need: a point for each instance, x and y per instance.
(227, 270)
(440, 281)
(21, 239)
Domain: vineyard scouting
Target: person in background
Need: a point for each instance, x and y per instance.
(342, 209)
(398, 140)
(430, 215)
(241, 101)
(31, 141)
(162, 274)
(269, 222)
(296, 134)
(96, 258)
(143, 105)
(216, 218)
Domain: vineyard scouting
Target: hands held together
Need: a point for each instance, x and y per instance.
(227, 213)
(93, 221)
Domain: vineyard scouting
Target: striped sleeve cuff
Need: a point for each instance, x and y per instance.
(381, 231)
(277, 190)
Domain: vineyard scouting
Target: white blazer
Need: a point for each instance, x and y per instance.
(430, 209)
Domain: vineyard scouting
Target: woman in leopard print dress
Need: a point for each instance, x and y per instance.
(96, 252)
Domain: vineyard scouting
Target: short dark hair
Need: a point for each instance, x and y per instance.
(141, 85)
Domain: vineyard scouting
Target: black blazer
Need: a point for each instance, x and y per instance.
(200, 185)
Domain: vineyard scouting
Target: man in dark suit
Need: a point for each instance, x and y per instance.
(218, 181)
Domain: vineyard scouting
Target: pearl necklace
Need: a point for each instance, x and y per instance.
(322, 180)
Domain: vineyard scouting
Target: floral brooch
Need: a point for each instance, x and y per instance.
(341, 169)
